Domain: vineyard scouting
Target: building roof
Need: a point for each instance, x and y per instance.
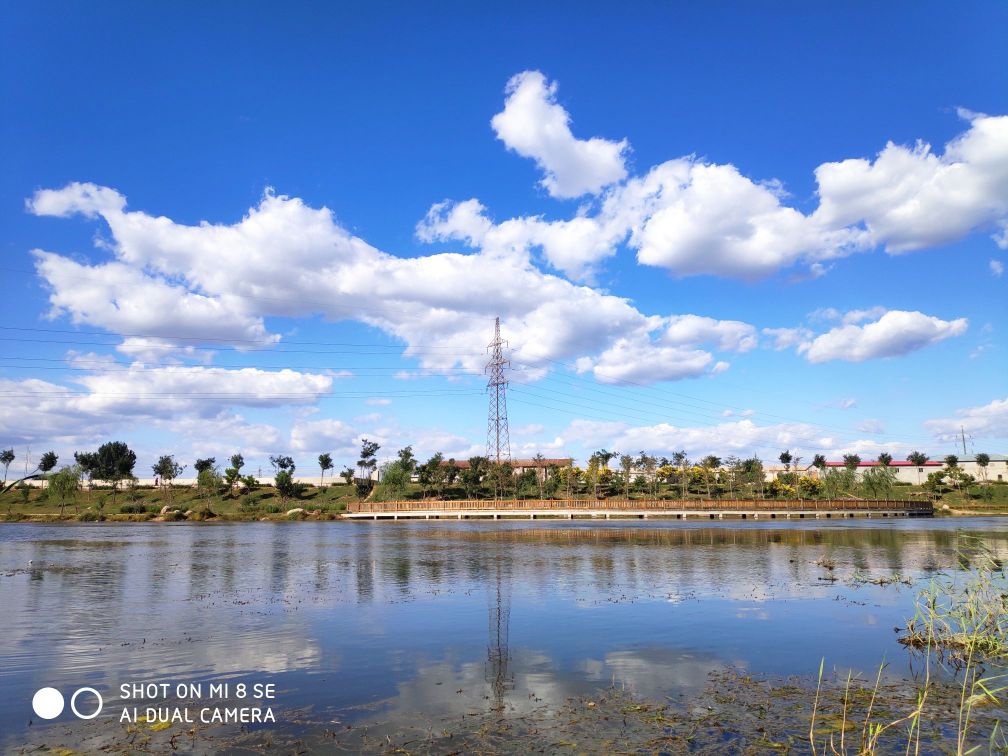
(894, 463)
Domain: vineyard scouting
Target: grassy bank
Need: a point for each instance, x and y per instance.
(265, 503)
(146, 504)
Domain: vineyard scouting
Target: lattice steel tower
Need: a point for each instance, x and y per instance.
(498, 439)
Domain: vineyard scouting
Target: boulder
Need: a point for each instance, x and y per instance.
(296, 511)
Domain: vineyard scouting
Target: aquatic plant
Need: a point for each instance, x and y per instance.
(961, 623)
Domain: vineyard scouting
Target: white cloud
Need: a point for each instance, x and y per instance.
(910, 198)
(378, 402)
(785, 338)
(199, 391)
(694, 217)
(670, 349)
(896, 333)
(535, 126)
(123, 298)
(286, 259)
(173, 398)
(741, 438)
(859, 316)
(871, 425)
(328, 434)
(996, 268)
(639, 361)
(698, 218)
(987, 421)
(574, 246)
(728, 335)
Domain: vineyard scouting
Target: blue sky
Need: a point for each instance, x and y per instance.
(634, 191)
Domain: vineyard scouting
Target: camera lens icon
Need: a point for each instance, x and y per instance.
(48, 703)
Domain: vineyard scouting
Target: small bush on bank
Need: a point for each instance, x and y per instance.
(133, 509)
(89, 515)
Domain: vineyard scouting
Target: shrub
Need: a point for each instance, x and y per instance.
(133, 509)
(274, 509)
(89, 515)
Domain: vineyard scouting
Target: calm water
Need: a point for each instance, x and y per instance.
(378, 621)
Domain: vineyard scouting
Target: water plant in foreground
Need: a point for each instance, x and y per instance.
(960, 630)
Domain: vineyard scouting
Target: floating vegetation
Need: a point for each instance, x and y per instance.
(863, 578)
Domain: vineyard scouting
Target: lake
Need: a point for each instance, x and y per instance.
(415, 624)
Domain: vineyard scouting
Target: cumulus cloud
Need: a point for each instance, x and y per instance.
(740, 438)
(986, 421)
(896, 333)
(329, 434)
(996, 268)
(535, 126)
(695, 217)
(910, 198)
(786, 338)
(728, 335)
(218, 281)
(574, 246)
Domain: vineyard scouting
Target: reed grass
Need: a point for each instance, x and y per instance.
(960, 627)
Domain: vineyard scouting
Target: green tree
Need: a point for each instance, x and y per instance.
(87, 462)
(540, 471)
(648, 464)
(46, 463)
(281, 463)
(501, 477)
(851, 462)
(204, 464)
(627, 466)
(64, 486)
(324, 463)
(884, 459)
(785, 459)
(114, 462)
(437, 473)
(347, 474)
(285, 484)
(208, 484)
(367, 463)
(597, 463)
(710, 465)
(6, 459)
(395, 478)
(232, 475)
(167, 470)
(681, 461)
(982, 461)
(951, 461)
(472, 476)
(918, 460)
(407, 460)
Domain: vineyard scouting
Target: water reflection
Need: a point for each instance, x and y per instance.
(387, 621)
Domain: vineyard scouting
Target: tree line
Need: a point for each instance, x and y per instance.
(113, 463)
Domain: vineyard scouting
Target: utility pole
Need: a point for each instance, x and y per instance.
(498, 439)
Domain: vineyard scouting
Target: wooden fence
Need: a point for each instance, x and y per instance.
(643, 505)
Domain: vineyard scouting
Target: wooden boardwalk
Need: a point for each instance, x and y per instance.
(712, 509)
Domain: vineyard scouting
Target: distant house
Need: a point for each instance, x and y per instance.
(907, 472)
